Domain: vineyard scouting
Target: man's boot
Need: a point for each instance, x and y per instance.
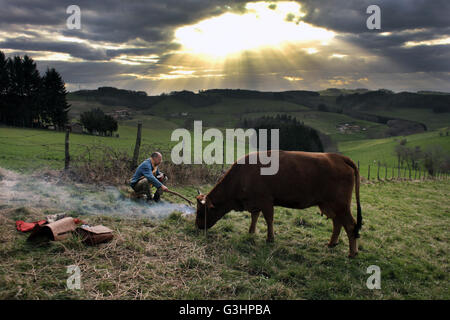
(157, 195)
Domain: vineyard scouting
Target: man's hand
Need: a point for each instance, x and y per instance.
(164, 188)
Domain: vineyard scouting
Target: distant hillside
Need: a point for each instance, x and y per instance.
(385, 100)
(397, 113)
(332, 99)
(338, 92)
(110, 96)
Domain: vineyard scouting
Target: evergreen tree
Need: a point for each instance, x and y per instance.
(4, 85)
(26, 99)
(53, 97)
(31, 86)
(22, 107)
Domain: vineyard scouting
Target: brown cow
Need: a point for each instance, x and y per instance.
(304, 179)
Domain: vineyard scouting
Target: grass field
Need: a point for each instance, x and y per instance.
(30, 149)
(405, 233)
(371, 150)
(327, 123)
(432, 120)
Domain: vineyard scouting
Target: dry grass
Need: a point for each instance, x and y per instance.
(405, 232)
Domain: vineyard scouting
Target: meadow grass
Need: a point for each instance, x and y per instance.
(405, 233)
(371, 151)
(26, 150)
(432, 120)
(30, 149)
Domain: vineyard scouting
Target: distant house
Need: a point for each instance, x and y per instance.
(349, 128)
(75, 128)
(123, 114)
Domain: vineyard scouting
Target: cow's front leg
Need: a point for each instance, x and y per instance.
(268, 215)
(255, 216)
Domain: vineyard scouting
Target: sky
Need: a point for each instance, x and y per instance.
(161, 46)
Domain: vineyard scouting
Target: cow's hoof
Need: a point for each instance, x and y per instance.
(351, 256)
(332, 245)
(270, 240)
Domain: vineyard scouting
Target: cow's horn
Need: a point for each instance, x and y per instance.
(198, 191)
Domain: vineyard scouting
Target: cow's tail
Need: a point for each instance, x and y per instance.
(358, 205)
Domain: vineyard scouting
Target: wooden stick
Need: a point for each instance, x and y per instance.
(175, 193)
(181, 196)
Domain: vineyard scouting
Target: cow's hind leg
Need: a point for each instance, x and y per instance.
(337, 226)
(349, 225)
(255, 216)
(268, 215)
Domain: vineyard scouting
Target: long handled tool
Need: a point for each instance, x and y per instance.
(181, 196)
(175, 193)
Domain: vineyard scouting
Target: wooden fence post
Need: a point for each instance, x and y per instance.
(66, 150)
(368, 173)
(137, 147)
(378, 171)
(223, 153)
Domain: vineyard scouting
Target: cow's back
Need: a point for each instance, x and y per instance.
(304, 179)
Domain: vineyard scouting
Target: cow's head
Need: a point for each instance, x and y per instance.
(205, 208)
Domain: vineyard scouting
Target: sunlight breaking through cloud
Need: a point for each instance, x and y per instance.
(260, 26)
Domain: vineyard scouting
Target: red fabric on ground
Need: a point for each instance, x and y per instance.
(28, 226)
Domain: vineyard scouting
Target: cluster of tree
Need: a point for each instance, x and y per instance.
(96, 121)
(29, 100)
(294, 135)
(434, 159)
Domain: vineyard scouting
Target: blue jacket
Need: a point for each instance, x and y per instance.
(146, 169)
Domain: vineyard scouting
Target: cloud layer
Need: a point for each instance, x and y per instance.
(132, 44)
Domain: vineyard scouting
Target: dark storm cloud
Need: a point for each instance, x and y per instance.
(376, 40)
(113, 20)
(82, 72)
(350, 15)
(77, 50)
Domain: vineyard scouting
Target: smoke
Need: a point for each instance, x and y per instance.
(50, 192)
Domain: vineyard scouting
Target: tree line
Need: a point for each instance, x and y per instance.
(29, 100)
(434, 158)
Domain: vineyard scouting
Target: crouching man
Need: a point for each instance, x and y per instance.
(148, 175)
